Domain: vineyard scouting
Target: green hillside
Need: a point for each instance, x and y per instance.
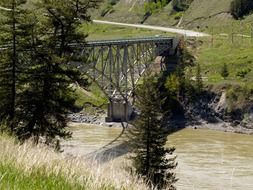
(201, 11)
(200, 14)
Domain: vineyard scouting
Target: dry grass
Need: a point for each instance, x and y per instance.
(76, 172)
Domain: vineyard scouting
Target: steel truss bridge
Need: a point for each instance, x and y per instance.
(117, 65)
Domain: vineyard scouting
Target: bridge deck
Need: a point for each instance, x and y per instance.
(130, 41)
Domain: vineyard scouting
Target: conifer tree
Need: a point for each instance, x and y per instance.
(224, 71)
(12, 34)
(47, 97)
(199, 81)
(148, 137)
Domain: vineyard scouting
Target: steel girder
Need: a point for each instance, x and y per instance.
(117, 65)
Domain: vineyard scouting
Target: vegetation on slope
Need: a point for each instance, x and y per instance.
(194, 13)
(237, 57)
(107, 32)
(37, 167)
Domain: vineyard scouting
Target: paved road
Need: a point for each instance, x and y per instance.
(165, 29)
(4, 9)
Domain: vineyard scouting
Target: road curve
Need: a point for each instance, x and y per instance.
(160, 28)
(4, 9)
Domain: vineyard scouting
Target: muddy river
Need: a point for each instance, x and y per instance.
(207, 160)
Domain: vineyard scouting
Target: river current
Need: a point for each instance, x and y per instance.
(207, 160)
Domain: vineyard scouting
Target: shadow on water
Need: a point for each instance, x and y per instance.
(114, 149)
(119, 146)
(110, 153)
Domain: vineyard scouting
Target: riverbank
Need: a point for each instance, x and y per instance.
(219, 125)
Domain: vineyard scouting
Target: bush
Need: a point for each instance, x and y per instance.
(238, 97)
(240, 8)
(172, 85)
(106, 10)
(113, 2)
(181, 5)
(178, 15)
(243, 72)
(224, 71)
(155, 6)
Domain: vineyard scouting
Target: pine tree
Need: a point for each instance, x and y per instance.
(11, 37)
(199, 81)
(48, 93)
(148, 138)
(224, 71)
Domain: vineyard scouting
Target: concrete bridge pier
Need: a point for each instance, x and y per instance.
(119, 112)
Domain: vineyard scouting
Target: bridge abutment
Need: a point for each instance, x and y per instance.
(119, 112)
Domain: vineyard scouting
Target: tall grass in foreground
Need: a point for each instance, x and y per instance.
(27, 166)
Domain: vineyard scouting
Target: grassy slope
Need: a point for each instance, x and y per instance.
(26, 166)
(201, 13)
(102, 31)
(13, 178)
(205, 9)
(237, 56)
(92, 96)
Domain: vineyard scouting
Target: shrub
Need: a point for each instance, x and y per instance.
(243, 72)
(224, 71)
(155, 5)
(113, 2)
(240, 8)
(172, 85)
(178, 15)
(106, 10)
(181, 5)
(238, 97)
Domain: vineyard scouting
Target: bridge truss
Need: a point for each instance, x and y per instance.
(117, 65)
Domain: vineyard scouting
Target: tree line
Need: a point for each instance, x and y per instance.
(35, 74)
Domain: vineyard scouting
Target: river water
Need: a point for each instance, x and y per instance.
(207, 160)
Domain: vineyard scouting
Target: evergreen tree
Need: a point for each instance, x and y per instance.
(11, 37)
(148, 138)
(199, 81)
(224, 71)
(48, 93)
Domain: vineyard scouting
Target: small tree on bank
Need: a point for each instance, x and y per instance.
(148, 138)
(199, 81)
(224, 71)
